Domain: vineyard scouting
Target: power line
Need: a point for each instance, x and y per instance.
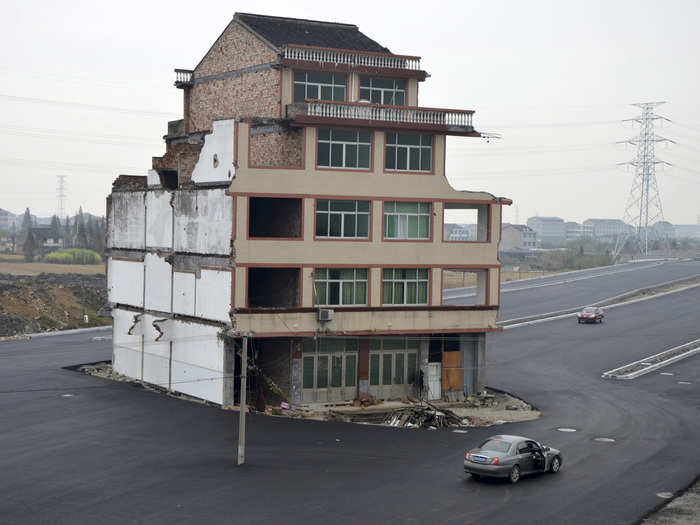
(88, 107)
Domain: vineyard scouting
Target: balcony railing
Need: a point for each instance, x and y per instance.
(351, 58)
(183, 77)
(449, 118)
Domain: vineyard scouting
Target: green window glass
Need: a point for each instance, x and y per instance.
(388, 91)
(386, 368)
(408, 152)
(342, 148)
(411, 365)
(398, 369)
(405, 286)
(340, 286)
(337, 371)
(407, 220)
(308, 371)
(320, 86)
(374, 369)
(342, 218)
(350, 370)
(322, 372)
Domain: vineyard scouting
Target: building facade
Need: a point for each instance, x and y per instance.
(606, 229)
(517, 237)
(551, 231)
(300, 204)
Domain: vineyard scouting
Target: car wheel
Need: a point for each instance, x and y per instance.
(514, 475)
(555, 465)
(579, 321)
(476, 477)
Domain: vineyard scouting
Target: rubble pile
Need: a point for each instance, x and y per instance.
(50, 302)
(424, 416)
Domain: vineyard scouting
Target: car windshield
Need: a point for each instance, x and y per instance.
(496, 445)
(589, 310)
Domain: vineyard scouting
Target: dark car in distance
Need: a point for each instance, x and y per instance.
(590, 314)
(511, 457)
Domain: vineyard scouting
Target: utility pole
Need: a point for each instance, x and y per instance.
(241, 415)
(61, 196)
(644, 204)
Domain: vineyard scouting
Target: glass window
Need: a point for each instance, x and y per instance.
(374, 369)
(322, 372)
(386, 368)
(398, 369)
(350, 369)
(342, 218)
(389, 91)
(408, 152)
(411, 368)
(308, 372)
(342, 148)
(341, 286)
(407, 220)
(405, 286)
(319, 86)
(337, 371)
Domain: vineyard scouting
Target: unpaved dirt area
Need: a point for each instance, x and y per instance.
(684, 510)
(11, 267)
(50, 302)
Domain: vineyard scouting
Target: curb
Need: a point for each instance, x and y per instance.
(608, 303)
(39, 335)
(694, 349)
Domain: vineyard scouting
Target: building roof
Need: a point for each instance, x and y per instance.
(280, 31)
(520, 227)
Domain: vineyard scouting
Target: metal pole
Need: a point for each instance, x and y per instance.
(241, 416)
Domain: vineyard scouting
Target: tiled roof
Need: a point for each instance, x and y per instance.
(280, 31)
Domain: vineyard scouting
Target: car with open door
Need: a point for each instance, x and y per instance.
(511, 457)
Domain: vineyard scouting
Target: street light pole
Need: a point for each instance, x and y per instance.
(241, 415)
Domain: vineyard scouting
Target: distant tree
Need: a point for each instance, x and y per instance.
(26, 221)
(30, 246)
(67, 234)
(55, 227)
(13, 237)
(80, 239)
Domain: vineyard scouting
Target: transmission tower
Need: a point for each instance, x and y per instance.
(644, 204)
(61, 196)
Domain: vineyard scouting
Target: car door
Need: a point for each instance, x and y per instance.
(524, 457)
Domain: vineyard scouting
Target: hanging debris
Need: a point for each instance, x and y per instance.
(424, 416)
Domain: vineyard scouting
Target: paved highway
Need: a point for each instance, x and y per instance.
(559, 292)
(78, 449)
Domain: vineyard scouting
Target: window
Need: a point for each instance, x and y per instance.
(343, 148)
(407, 220)
(393, 361)
(409, 152)
(319, 86)
(329, 363)
(342, 218)
(405, 286)
(390, 91)
(341, 286)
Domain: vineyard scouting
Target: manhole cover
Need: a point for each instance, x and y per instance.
(666, 373)
(684, 383)
(459, 431)
(604, 440)
(665, 495)
(646, 364)
(566, 429)
(66, 395)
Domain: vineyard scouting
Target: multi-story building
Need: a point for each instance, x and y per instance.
(606, 229)
(551, 231)
(575, 231)
(300, 204)
(517, 237)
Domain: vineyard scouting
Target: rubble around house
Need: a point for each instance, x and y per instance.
(44, 302)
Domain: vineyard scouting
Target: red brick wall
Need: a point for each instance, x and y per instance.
(181, 157)
(255, 94)
(277, 150)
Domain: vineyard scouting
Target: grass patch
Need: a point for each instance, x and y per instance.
(73, 256)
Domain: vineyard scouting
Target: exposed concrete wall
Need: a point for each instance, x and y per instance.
(183, 292)
(203, 221)
(159, 219)
(127, 347)
(216, 162)
(126, 220)
(125, 282)
(213, 295)
(158, 283)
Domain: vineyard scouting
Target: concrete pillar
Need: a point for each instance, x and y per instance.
(473, 348)
(482, 228)
(363, 369)
(481, 288)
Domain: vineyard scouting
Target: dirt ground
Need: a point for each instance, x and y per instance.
(684, 510)
(19, 267)
(455, 279)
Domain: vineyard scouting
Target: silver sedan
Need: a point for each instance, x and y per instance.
(511, 457)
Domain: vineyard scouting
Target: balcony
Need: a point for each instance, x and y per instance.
(183, 78)
(448, 121)
(350, 60)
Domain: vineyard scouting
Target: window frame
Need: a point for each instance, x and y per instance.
(429, 214)
(342, 221)
(405, 282)
(489, 222)
(409, 147)
(306, 82)
(345, 144)
(355, 280)
(393, 91)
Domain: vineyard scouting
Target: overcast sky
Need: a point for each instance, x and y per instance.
(88, 88)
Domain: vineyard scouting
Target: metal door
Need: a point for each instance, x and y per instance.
(434, 381)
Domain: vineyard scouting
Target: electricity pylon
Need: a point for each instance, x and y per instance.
(644, 204)
(61, 196)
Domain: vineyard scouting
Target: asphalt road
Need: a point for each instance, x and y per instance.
(79, 449)
(553, 293)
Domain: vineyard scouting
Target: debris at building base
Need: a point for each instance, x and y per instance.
(424, 416)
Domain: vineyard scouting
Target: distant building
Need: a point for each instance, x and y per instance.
(517, 237)
(549, 230)
(463, 232)
(664, 229)
(687, 231)
(6, 219)
(606, 229)
(575, 231)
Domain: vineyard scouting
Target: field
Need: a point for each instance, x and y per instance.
(15, 265)
(456, 279)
